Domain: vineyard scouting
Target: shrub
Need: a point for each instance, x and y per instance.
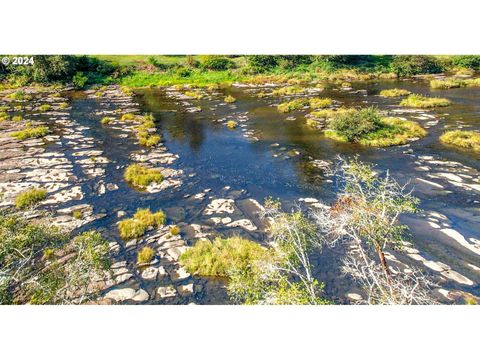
(148, 140)
(408, 65)
(4, 116)
(141, 176)
(218, 258)
(145, 255)
(30, 132)
(147, 218)
(461, 138)
(419, 101)
(394, 92)
(128, 117)
(45, 107)
(467, 61)
(77, 214)
(131, 229)
(30, 197)
(216, 62)
(472, 82)
(292, 105)
(17, 118)
(262, 63)
(63, 105)
(320, 103)
(174, 230)
(447, 83)
(353, 124)
(231, 124)
(230, 99)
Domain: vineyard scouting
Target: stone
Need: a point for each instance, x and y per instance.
(124, 294)
(179, 274)
(244, 223)
(185, 290)
(219, 206)
(166, 291)
(150, 273)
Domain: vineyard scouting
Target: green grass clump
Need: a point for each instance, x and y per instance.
(131, 229)
(217, 258)
(394, 92)
(148, 140)
(77, 214)
(128, 117)
(145, 255)
(174, 230)
(4, 116)
(194, 94)
(30, 197)
(292, 105)
(63, 105)
(448, 83)
(45, 107)
(30, 132)
(368, 128)
(472, 82)
(288, 90)
(328, 113)
(419, 101)
(320, 103)
(106, 120)
(17, 118)
(464, 139)
(230, 99)
(142, 176)
(232, 124)
(147, 218)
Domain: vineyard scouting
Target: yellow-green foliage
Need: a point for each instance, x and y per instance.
(145, 255)
(194, 94)
(142, 176)
(30, 132)
(99, 94)
(448, 83)
(419, 101)
(175, 230)
(63, 105)
(232, 124)
(4, 116)
(77, 214)
(17, 118)
(20, 95)
(45, 107)
(218, 258)
(320, 103)
(146, 139)
(230, 99)
(388, 132)
(147, 218)
(329, 113)
(126, 91)
(131, 229)
(394, 92)
(292, 105)
(461, 138)
(128, 117)
(472, 82)
(470, 300)
(30, 197)
(106, 120)
(288, 90)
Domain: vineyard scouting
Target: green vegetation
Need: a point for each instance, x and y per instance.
(145, 255)
(106, 120)
(394, 92)
(194, 94)
(408, 65)
(29, 198)
(174, 230)
(320, 103)
(142, 176)
(137, 226)
(232, 124)
(419, 101)
(219, 257)
(31, 132)
(79, 80)
(77, 214)
(229, 99)
(288, 90)
(45, 107)
(148, 140)
(128, 117)
(17, 118)
(292, 105)
(63, 105)
(42, 265)
(464, 139)
(368, 128)
(215, 62)
(451, 83)
(4, 116)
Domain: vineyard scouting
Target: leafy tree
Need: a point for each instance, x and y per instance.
(408, 65)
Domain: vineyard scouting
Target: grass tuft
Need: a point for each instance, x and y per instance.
(394, 92)
(230, 99)
(30, 132)
(419, 101)
(464, 139)
(45, 107)
(232, 124)
(30, 197)
(145, 255)
(142, 176)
